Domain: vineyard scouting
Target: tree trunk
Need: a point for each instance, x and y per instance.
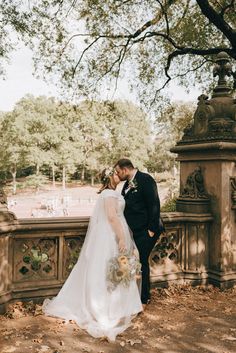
(82, 175)
(13, 173)
(53, 176)
(64, 178)
(37, 169)
(92, 179)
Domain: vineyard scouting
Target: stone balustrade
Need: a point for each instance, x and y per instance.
(37, 255)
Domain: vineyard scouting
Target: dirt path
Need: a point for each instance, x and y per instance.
(180, 319)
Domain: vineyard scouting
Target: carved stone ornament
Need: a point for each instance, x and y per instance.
(215, 118)
(35, 259)
(194, 187)
(202, 115)
(233, 192)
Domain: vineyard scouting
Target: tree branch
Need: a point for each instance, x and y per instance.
(155, 19)
(83, 52)
(123, 3)
(165, 15)
(185, 50)
(226, 8)
(169, 78)
(119, 60)
(218, 21)
(194, 51)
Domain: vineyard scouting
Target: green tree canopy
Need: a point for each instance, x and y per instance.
(170, 127)
(44, 134)
(90, 43)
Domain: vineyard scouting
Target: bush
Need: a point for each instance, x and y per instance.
(169, 205)
(163, 177)
(35, 181)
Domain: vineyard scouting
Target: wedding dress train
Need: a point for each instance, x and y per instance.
(84, 296)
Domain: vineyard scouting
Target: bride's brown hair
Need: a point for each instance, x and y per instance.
(105, 180)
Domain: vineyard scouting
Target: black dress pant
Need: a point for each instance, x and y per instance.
(145, 244)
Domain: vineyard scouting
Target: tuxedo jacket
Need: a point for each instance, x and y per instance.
(142, 204)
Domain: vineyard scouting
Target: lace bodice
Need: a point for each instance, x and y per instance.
(120, 200)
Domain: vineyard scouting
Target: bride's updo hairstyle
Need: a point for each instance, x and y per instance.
(105, 178)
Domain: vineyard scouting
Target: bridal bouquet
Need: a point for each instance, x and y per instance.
(122, 269)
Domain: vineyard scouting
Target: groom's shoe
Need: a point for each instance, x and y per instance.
(144, 307)
(145, 304)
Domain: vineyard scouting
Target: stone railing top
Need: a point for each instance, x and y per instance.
(70, 223)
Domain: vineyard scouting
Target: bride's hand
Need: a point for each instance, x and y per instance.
(121, 245)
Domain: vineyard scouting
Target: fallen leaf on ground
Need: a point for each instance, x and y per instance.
(9, 349)
(228, 338)
(133, 342)
(38, 310)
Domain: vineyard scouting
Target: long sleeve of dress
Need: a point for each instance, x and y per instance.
(111, 207)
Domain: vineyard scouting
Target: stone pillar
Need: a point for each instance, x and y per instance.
(7, 223)
(207, 155)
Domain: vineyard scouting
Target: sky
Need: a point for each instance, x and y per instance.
(20, 81)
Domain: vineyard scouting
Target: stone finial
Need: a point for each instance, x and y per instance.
(215, 118)
(222, 68)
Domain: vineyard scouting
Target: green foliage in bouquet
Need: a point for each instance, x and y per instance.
(122, 269)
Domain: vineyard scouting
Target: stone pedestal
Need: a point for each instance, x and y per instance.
(217, 161)
(207, 155)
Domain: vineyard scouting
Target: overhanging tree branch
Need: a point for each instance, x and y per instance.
(169, 78)
(218, 21)
(193, 51)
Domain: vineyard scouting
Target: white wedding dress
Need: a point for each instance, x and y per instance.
(84, 297)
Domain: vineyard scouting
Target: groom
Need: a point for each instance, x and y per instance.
(142, 213)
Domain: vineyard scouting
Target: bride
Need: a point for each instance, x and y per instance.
(86, 297)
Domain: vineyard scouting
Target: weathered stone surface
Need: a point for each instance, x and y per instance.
(39, 254)
(215, 118)
(210, 143)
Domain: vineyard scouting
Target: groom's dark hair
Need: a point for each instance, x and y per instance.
(124, 163)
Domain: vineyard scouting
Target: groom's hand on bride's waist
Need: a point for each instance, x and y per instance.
(151, 234)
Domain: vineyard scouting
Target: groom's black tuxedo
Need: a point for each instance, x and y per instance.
(142, 213)
(142, 204)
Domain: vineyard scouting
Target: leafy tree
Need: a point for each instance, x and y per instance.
(39, 132)
(37, 114)
(13, 151)
(87, 41)
(170, 126)
(68, 150)
(90, 126)
(173, 120)
(128, 133)
(111, 130)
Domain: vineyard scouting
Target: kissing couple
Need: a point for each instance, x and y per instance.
(110, 282)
